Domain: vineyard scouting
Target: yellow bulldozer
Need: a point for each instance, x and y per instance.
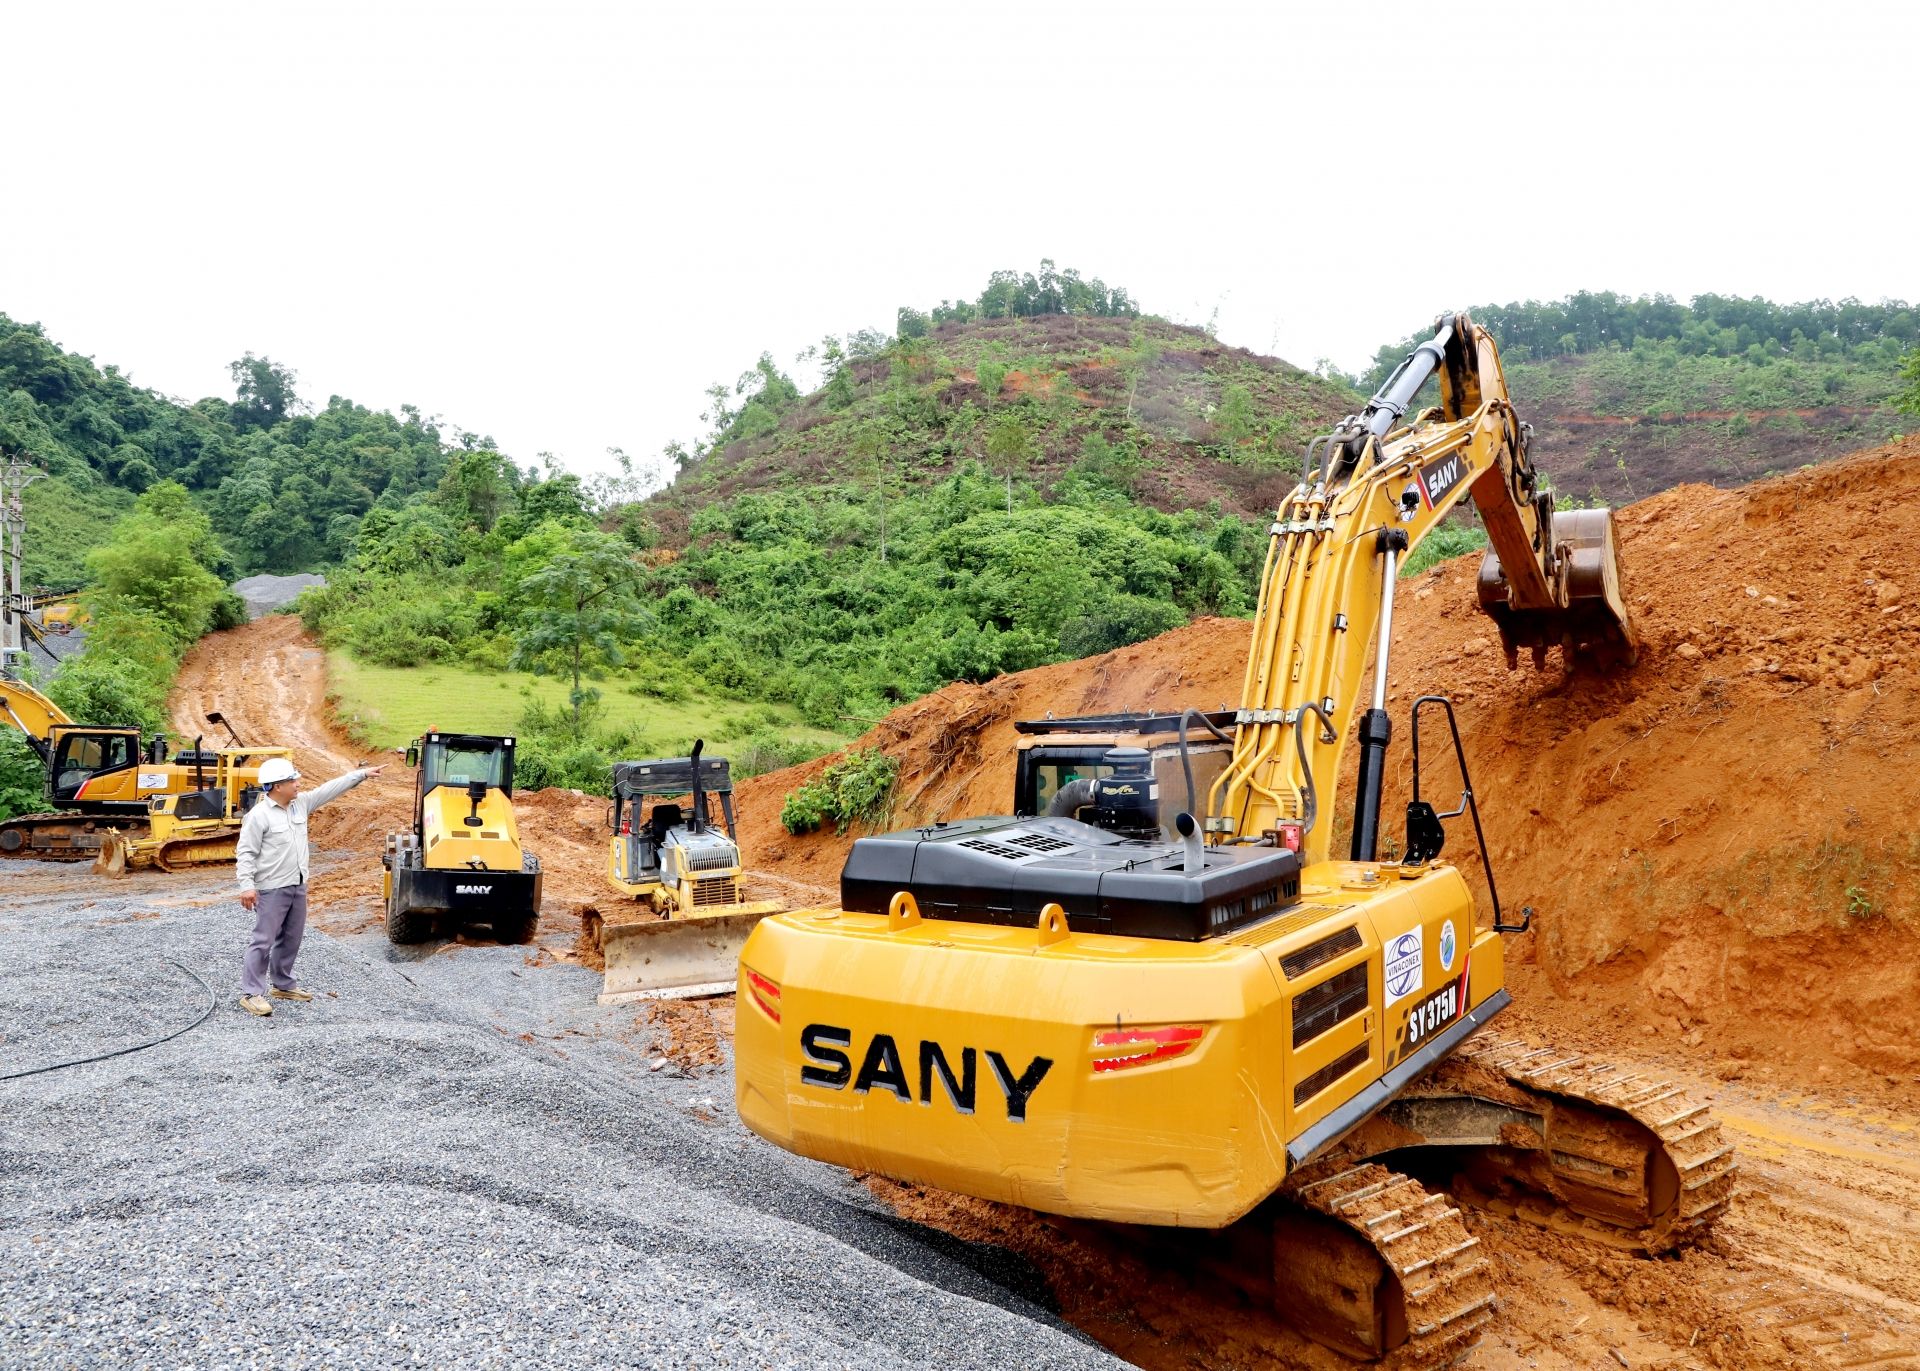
(462, 862)
(685, 869)
(103, 777)
(200, 827)
(1239, 1032)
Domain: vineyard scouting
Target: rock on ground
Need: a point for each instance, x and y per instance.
(264, 594)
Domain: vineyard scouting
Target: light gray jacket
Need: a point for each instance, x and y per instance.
(273, 838)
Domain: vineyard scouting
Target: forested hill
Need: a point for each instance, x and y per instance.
(1630, 395)
(285, 487)
(1160, 413)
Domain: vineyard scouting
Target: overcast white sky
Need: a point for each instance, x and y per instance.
(558, 223)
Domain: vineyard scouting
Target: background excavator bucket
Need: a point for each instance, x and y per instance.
(676, 959)
(1594, 627)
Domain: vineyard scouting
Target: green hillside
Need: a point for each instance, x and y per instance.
(284, 484)
(1631, 395)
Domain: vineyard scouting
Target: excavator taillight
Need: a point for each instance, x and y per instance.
(1125, 1047)
(765, 993)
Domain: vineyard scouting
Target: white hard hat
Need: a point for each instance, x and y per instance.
(277, 769)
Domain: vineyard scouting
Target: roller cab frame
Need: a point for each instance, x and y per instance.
(463, 863)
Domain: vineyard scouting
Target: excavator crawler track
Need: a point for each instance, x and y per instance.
(1684, 1177)
(1391, 1269)
(62, 837)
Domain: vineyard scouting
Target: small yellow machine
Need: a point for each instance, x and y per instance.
(463, 862)
(1241, 1029)
(196, 828)
(686, 869)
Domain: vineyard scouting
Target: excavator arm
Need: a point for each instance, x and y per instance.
(31, 712)
(1327, 587)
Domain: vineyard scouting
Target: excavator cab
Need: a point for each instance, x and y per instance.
(95, 767)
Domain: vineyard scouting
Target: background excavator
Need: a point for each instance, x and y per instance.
(1241, 1030)
(106, 776)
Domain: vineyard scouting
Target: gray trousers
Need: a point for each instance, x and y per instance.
(279, 923)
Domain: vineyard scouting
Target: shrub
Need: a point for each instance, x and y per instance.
(759, 753)
(856, 789)
(22, 781)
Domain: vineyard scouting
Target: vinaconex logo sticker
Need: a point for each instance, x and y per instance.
(1405, 973)
(1446, 945)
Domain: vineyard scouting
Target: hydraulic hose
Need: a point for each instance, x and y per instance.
(1309, 801)
(137, 1047)
(1186, 757)
(1071, 797)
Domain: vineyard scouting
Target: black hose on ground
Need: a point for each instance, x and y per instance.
(137, 1047)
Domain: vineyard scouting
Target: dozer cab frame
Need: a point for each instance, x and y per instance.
(1229, 1030)
(686, 868)
(463, 862)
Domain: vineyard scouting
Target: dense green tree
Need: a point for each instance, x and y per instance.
(265, 392)
(579, 605)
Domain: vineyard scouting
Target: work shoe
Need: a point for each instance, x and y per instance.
(303, 996)
(256, 1005)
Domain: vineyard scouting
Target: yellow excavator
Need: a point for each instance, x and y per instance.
(106, 776)
(1243, 1030)
(685, 869)
(462, 862)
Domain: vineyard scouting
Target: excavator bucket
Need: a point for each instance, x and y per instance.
(1593, 627)
(677, 959)
(115, 852)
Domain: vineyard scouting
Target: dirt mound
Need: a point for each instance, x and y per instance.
(1719, 842)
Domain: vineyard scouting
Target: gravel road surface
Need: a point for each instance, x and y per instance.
(451, 1158)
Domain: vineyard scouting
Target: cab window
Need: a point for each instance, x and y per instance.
(95, 752)
(451, 764)
(1049, 777)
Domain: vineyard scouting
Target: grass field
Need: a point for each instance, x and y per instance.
(391, 706)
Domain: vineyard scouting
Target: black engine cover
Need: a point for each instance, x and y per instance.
(1006, 870)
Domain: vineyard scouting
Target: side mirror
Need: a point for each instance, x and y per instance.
(413, 755)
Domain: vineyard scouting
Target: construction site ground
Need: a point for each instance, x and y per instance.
(456, 1155)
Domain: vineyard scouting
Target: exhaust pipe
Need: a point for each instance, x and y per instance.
(1190, 835)
(698, 822)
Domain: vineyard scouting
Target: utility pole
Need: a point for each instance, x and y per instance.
(14, 479)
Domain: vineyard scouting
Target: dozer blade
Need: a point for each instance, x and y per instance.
(1594, 626)
(677, 959)
(113, 856)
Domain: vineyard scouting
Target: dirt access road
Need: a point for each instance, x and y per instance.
(1813, 1267)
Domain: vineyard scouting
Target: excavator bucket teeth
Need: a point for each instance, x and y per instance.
(1593, 627)
(673, 959)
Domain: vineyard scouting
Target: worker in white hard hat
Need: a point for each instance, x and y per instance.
(272, 870)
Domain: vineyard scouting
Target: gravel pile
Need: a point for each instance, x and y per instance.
(264, 594)
(51, 648)
(450, 1158)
